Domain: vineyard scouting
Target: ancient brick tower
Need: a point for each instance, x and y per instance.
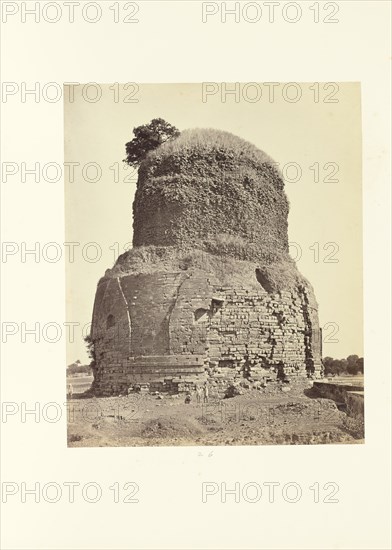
(208, 289)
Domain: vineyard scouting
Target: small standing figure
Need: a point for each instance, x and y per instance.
(70, 391)
(205, 392)
(198, 394)
(188, 398)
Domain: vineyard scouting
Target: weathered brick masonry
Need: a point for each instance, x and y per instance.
(166, 328)
(164, 320)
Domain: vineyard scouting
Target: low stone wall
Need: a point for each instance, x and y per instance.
(350, 395)
(335, 391)
(356, 404)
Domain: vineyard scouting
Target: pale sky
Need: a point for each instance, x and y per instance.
(326, 136)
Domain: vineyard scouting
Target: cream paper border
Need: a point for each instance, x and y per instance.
(171, 44)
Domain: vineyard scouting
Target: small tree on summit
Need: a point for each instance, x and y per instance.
(147, 138)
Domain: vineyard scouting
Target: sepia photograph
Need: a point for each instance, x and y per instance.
(229, 309)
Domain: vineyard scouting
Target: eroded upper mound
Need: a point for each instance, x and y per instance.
(207, 139)
(209, 183)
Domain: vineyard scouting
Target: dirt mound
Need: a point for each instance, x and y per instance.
(163, 427)
(236, 421)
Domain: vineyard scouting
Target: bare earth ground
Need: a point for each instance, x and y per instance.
(283, 416)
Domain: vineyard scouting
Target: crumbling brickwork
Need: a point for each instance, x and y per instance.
(168, 316)
(209, 183)
(185, 326)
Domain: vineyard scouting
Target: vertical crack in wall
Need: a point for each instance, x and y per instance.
(95, 307)
(171, 309)
(308, 334)
(127, 308)
(273, 339)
